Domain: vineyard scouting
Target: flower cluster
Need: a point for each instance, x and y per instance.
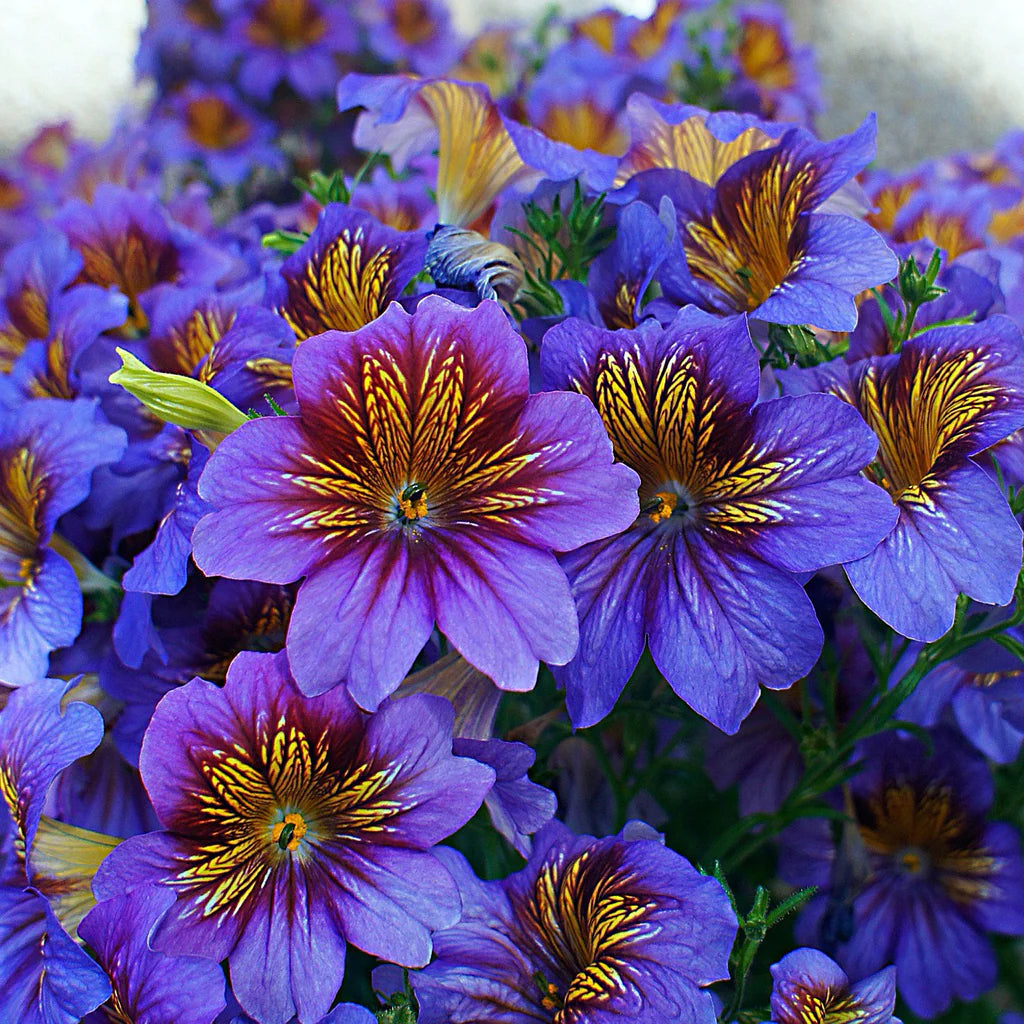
(514, 529)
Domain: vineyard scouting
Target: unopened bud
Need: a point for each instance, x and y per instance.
(177, 399)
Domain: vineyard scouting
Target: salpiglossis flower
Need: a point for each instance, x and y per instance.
(420, 482)
(762, 236)
(949, 394)
(810, 988)
(46, 872)
(48, 452)
(347, 273)
(735, 499)
(591, 930)
(927, 875)
(295, 824)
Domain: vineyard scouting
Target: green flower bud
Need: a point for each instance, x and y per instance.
(177, 399)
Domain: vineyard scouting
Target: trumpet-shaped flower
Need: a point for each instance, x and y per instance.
(209, 125)
(45, 888)
(948, 395)
(734, 501)
(683, 138)
(48, 451)
(590, 930)
(480, 152)
(295, 825)
(759, 238)
(347, 273)
(810, 988)
(293, 41)
(128, 240)
(420, 482)
(925, 878)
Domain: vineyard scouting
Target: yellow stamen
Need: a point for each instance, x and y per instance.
(413, 502)
(664, 510)
(289, 831)
(911, 861)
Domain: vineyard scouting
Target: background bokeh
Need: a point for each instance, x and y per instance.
(942, 74)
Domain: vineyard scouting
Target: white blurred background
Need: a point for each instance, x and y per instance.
(942, 74)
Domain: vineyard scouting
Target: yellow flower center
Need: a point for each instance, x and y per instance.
(661, 506)
(287, 832)
(412, 502)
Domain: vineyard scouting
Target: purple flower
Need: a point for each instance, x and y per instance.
(149, 987)
(48, 451)
(402, 204)
(810, 988)
(293, 825)
(734, 501)
(293, 41)
(782, 73)
(347, 273)
(419, 483)
(923, 877)
(595, 930)
(45, 891)
(578, 96)
(952, 217)
(238, 616)
(951, 393)
(35, 273)
(620, 276)
(128, 240)
(416, 33)
(679, 137)
(209, 125)
(983, 689)
(185, 40)
(759, 239)
(480, 152)
(57, 365)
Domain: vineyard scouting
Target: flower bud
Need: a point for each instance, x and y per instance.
(177, 399)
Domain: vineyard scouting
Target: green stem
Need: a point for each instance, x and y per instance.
(757, 829)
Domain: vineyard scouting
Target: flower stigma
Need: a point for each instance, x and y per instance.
(288, 832)
(412, 502)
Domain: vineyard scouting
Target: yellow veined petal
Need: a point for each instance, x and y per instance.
(690, 147)
(476, 155)
(64, 860)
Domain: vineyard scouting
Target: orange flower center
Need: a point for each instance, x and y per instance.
(288, 832)
(214, 124)
(291, 24)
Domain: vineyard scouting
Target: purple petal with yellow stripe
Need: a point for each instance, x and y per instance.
(600, 930)
(757, 240)
(347, 273)
(922, 876)
(810, 988)
(420, 483)
(295, 824)
(948, 395)
(37, 742)
(735, 497)
(48, 452)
